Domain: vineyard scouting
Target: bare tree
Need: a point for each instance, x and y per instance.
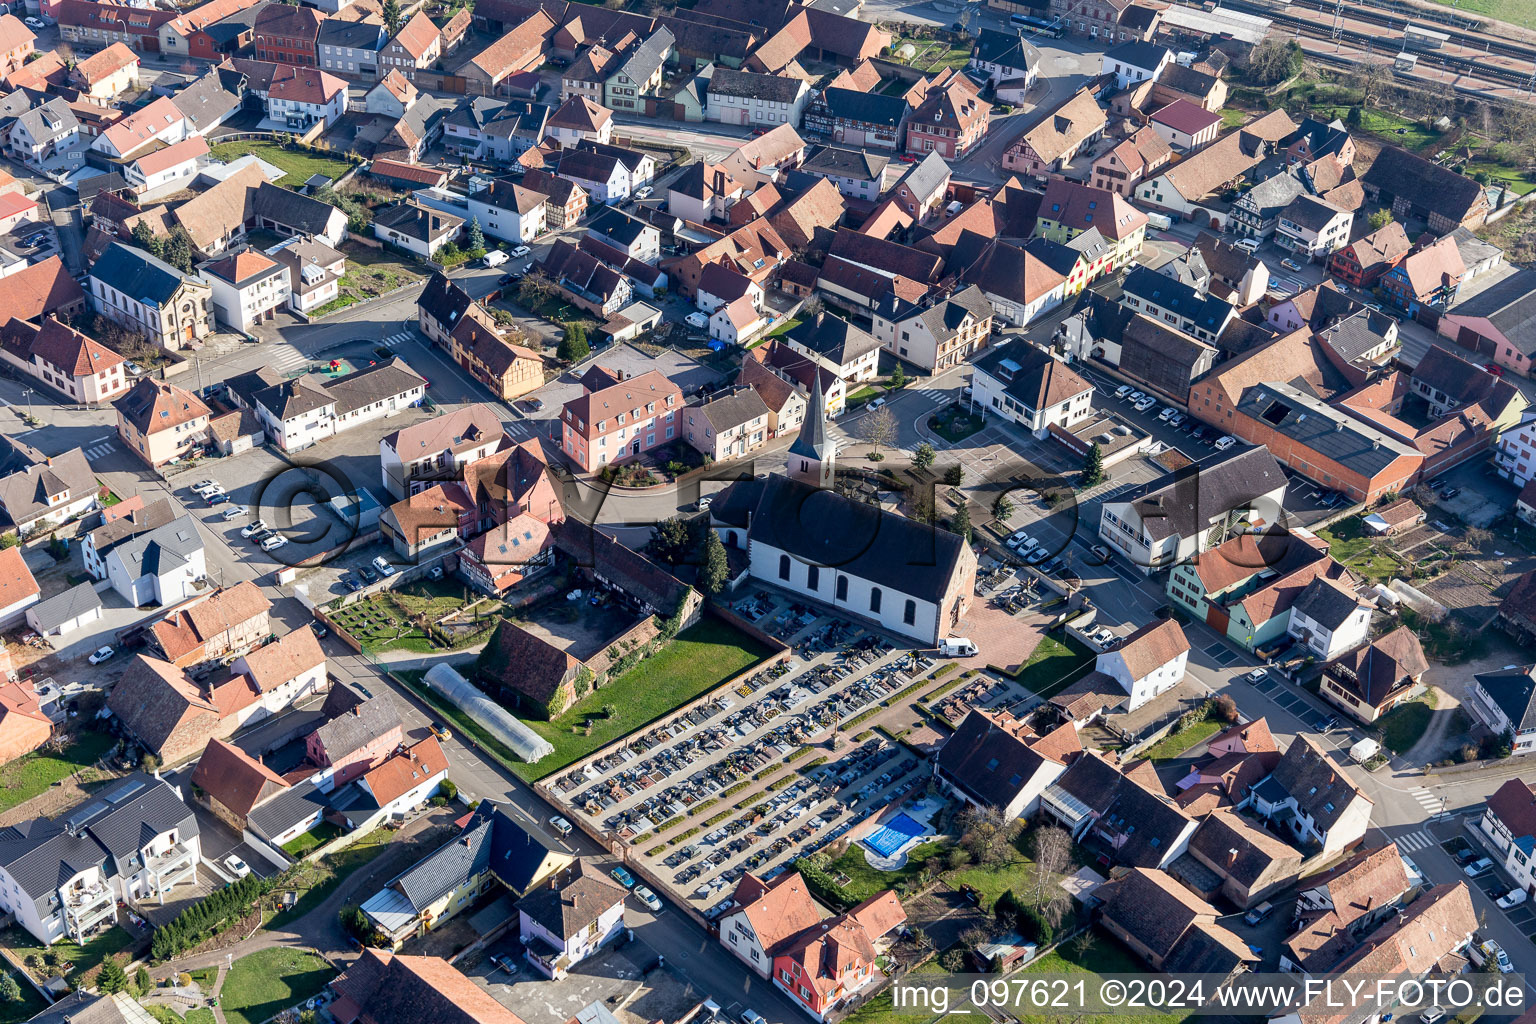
(1042, 889)
(986, 835)
(1369, 76)
(878, 427)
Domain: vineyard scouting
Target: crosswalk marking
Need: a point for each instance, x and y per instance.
(396, 339)
(518, 430)
(286, 357)
(1427, 800)
(100, 450)
(1413, 841)
(932, 392)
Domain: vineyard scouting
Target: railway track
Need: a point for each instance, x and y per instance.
(1482, 69)
(1472, 41)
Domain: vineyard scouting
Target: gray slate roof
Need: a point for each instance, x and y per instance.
(749, 85)
(61, 608)
(24, 494)
(162, 549)
(206, 100)
(138, 275)
(854, 164)
(286, 809)
(865, 107)
(1207, 489)
(1324, 602)
(1322, 428)
(926, 176)
(1514, 691)
(1510, 305)
(834, 339)
(356, 729)
(732, 410)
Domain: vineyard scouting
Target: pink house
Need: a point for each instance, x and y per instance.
(620, 417)
(354, 741)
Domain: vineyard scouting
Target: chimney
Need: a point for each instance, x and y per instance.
(575, 900)
(1231, 856)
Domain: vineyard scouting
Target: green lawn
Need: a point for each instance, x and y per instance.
(1102, 956)
(1232, 117)
(864, 881)
(955, 424)
(1348, 544)
(331, 870)
(83, 958)
(698, 659)
(1175, 744)
(262, 984)
(1516, 12)
(31, 774)
(166, 1015)
(1054, 666)
(882, 1009)
(316, 837)
(783, 327)
(299, 164)
(1403, 725)
(30, 1005)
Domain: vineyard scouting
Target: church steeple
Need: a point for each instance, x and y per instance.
(811, 456)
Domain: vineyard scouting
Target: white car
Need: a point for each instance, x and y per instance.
(273, 542)
(237, 867)
(560, 825)
(877, 403)
(385, 569)
(644, 192)
(1145, 404)
(1123, 390)
(254, 528)
(233, 513)
(1167, 413)
(33, 23)
(1018, 538)
(1224, 442)
(698, 320)
(518, 252)
(1135, 396)
(1513, 898)
(648, 898)
(101, 655)
(1257, 675)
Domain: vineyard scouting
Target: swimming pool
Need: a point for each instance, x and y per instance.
(892, 836)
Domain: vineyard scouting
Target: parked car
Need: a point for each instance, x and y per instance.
(217, 498)
(1224, 442)
(1177, 419)
(233, 513)
(1258, 675)
(1450, 492)
(103, 654)
(440, 730)
(237, 867)
(505, 962)
(33, 23)
(1167, 413)
(644, 192)
(1513, 898)
(518, 252)
(503, 280)
(697, 319)
(1145, 404)
(383, 566)
(1478, 866)
(1290, 264)
(1433, 1015)
(648, 898)
(560, 825)
(623, 877)
(752, 1016)
(352, 583)
(368, 574)
(273, 542)
(1037, 556)
(1019, 537)
(1260, 913)
(495, 258)
(876, 404)
(1136, 396)
(205, 485)
(1487, 950)
(1123, 390)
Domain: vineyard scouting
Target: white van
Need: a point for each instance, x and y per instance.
(1248, 245)
(495, 258)
(957, 647)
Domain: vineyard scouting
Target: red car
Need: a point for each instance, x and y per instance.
(908, 158)
(1495, 369)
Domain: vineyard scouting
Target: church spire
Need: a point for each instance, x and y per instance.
(811, 456)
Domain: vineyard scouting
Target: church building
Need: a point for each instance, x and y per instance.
(905, 577)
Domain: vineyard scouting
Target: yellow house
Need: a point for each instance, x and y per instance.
(161, 421)
(1069, 209)
(492, 850)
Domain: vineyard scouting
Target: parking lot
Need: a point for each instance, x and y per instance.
(1491, 881)
(753, 779)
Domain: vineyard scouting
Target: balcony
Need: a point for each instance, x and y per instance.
(171, 868)
(87, 907)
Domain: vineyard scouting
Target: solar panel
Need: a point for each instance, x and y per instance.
(118, 796)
